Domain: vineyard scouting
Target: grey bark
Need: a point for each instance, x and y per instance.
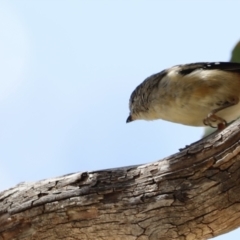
(194, 194)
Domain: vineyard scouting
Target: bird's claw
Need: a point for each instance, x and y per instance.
(212, 118)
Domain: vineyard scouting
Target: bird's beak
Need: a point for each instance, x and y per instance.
(129, 119)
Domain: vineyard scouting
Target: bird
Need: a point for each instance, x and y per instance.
(196, 94)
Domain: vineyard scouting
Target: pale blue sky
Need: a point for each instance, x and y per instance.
(67, 69)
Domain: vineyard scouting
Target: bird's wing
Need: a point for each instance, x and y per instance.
(225, 66)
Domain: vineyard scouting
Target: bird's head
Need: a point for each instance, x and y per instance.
(143, 99)
(138, 105)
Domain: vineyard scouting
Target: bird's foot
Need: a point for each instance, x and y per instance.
(213, 119)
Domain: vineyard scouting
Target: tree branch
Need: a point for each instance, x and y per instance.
(193, 194)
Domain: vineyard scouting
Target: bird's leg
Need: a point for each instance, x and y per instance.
(212, 117)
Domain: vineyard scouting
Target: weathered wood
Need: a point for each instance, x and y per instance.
(194, 194)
